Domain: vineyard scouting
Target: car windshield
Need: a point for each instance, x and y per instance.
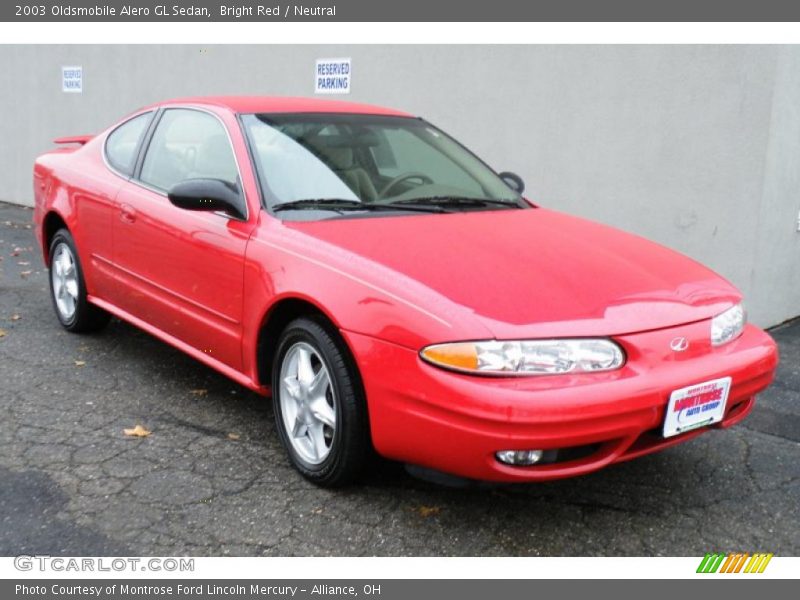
(351, 163)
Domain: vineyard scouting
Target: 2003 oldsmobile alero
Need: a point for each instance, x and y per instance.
(390, 291)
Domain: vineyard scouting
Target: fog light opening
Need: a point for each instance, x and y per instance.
(519, 458)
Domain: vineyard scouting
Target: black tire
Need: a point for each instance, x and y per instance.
(86, 316)
(351, 446)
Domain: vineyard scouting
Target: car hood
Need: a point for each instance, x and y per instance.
(537, 272)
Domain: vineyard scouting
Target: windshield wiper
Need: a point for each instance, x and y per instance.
(333, 203)
(346, 204)
(451, 201)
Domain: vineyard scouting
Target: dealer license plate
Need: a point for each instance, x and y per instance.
(696, 406)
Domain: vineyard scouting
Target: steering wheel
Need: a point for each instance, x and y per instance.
(402, 177)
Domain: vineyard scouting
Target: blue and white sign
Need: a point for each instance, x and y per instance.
(72, 79)
(333, 76)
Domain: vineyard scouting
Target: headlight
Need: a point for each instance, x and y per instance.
(728, 326)
(534, 357)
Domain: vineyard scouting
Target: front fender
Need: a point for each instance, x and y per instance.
(357, 294)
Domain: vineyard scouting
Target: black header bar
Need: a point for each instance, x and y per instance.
(402, 10)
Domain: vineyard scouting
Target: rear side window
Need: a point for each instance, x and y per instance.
(188, 144)
(122, 143)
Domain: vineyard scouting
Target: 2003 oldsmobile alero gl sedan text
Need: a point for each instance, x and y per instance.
(390, 291)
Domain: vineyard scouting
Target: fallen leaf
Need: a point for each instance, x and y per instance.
(15, 317)
(23, 263)
(199, 392)
(80, 363)
(24, 274)
(233, 436)
(427, 511)
(2, 333)
(137, 431)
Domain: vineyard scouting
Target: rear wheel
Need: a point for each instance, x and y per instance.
(320, 409)
(68, 288)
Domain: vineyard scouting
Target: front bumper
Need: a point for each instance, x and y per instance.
(450, 422)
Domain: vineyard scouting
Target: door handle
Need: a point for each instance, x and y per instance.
(127, 213)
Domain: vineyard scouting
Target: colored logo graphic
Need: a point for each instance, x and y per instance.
(734, 563)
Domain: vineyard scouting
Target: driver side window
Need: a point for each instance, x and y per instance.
(188, 144)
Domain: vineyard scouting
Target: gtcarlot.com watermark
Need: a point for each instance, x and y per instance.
(56, 564)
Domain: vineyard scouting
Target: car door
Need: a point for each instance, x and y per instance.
(95, 201)
(178, 270)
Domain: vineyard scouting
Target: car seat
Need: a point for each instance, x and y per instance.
(341, 159)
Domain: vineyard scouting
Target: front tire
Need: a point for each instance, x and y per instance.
(320, 408)
(68, 288)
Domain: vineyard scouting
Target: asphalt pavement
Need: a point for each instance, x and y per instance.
(212, 479)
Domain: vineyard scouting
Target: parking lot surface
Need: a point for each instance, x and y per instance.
(212, 479)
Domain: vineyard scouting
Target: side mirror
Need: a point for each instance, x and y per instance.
(208, 195)
(513, 181)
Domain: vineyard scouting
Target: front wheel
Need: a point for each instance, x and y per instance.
(68, 288)
(320, 409)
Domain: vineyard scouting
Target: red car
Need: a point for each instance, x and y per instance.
(390, 291)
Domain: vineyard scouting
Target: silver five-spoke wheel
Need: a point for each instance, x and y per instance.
(64, 276)
(308, 405)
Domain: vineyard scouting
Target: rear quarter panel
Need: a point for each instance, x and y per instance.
(76, 185)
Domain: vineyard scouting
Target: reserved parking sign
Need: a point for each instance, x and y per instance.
(72, 79)
(332, 76)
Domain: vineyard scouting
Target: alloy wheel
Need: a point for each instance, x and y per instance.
(308, 403)
(64, 275)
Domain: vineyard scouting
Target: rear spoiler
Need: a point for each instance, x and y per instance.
(73, 139)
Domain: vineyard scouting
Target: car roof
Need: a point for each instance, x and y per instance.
(277, 104)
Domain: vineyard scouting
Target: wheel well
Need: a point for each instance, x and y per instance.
(52, 223)
(279, 316)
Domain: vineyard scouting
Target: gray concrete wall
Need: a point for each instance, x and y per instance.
(696, 147)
